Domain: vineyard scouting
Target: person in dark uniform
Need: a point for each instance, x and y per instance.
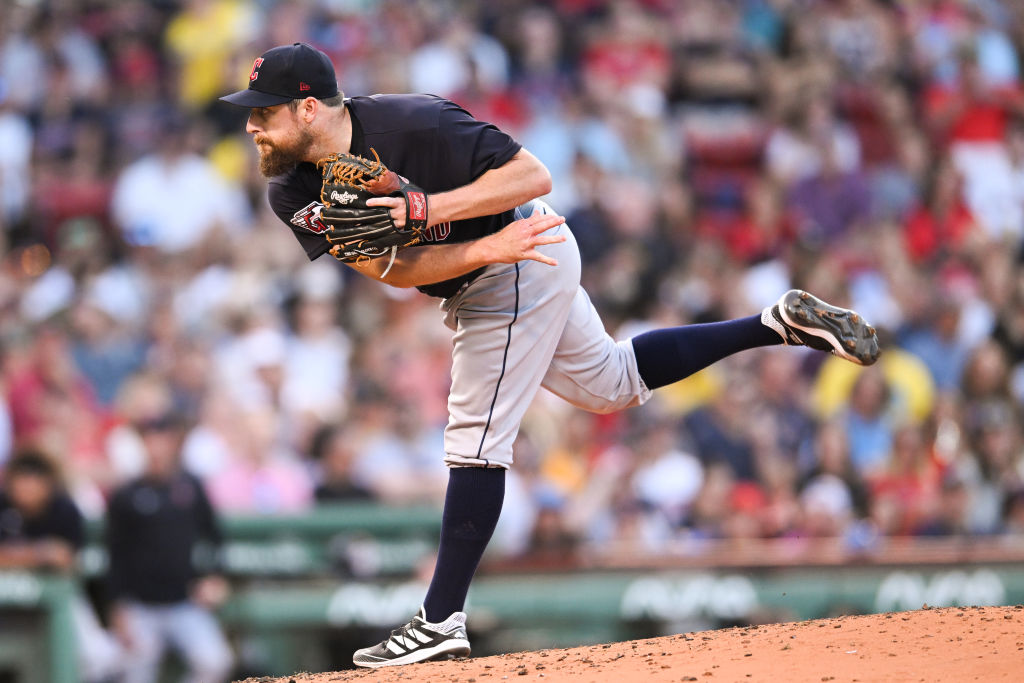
(159, 598)
(41, 529)
(40, 526)
(508, 270)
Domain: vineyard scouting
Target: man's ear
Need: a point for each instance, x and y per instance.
(309, 108)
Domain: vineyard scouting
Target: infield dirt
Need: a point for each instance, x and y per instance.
(948, 644)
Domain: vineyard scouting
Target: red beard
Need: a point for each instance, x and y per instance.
(277, 159)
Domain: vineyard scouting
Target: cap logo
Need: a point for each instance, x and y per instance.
(255, 66)
(303, 86)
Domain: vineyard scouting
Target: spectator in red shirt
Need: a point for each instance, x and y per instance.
(909, 487)
(941, 222)
(970, 110)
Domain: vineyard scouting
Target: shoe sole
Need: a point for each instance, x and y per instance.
(449, 649)
(844, 330)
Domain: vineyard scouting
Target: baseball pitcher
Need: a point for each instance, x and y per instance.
(412, 190)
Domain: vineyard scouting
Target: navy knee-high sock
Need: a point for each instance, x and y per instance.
(668, 355)
(472, 506)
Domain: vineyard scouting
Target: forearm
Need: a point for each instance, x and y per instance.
(50, 553)
(19, 556)
(518, 181)
(417, 266)
(517, 241)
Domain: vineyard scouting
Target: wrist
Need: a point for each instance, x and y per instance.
(435, 209)
(480, 253)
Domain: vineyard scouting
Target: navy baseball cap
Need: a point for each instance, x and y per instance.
(285, 73)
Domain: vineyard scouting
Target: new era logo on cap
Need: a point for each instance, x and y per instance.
(285, 73)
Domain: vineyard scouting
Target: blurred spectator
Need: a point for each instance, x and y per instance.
(971, 116)
(906, 491)
(666, 479)
(998, 463)
(202, 36)
(833, 466)
(40, 526)
(335, 450)
(41, 529)
(552, 540)
(811, 140)
(250, 365)
(827, 506)
(940, 223)
(711, 509)
(260, 476)
(1013, 513)
(15, 154)
(868, 424)
(141, 398)
(173, 200)
(941, 28)
(459, 56)
(398, 453)
(780, 515)
(985, 377)
(628, 48)
(830, 203)
(539, 70)
(936, 343)
(720, 431)
(862, 35)
(316, 365)
(783, 422)
(953, 514)
(160, 598)
(105, 354)
(54, 406)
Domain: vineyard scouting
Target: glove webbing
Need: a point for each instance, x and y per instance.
(355, 174)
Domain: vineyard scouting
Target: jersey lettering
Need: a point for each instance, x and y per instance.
(308, 217)
(437, 233)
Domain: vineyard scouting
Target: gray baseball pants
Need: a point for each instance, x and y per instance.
(519, 327)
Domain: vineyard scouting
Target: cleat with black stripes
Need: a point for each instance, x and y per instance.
(418, 641)
(802, 319)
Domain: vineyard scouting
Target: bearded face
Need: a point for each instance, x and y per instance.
(281, 156)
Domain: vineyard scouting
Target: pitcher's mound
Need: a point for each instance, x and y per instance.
(949, 644)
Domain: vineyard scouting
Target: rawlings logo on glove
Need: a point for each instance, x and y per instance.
(356, 231)
(343, 197)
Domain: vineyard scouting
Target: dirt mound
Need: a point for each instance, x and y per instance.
(949, 644)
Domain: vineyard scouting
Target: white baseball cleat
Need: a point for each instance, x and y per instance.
(418, 641)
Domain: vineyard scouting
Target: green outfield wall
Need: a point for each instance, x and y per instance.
(298, 582)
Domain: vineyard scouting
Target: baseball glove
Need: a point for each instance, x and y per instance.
(358, 232)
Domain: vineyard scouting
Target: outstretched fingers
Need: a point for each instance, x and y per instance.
(548, 239)
(534, 255)
(540, 222)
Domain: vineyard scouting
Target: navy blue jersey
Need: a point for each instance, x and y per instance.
(60, 519)
(153, 528)
(431, 141)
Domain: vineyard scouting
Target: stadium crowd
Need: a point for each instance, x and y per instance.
(708, 154)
